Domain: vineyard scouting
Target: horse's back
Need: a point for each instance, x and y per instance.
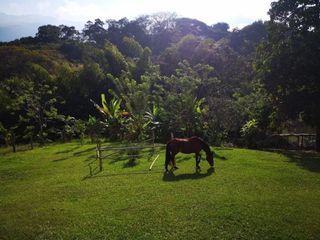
(185, 145)
(191, 139)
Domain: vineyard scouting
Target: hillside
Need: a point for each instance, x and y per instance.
(124, 79)
(206, 63)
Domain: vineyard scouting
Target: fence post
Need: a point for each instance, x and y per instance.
(153, 138)
(99, 156)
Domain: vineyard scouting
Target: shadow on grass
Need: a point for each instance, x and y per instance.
(184, 157)
(131, 163)
(98, 174)
(68, 150)
(171, 177)
(90, 158)
(19, 148)
(216, 155)
(123, 156)
(306, 160)
(60, 159)
(79, 153)
(191, 157)
(225, 148)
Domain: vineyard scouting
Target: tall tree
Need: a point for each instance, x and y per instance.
(220, 30)
(288, 63)
(162, 27)
(69, 33)
(48, 33)
(33, 100)
(95, 32)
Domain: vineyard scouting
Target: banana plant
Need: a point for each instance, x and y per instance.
(115, 117)
(113, 108)
(150, 117)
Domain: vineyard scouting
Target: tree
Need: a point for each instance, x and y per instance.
(187, 26)
(143, 64)
(20, 69)
(180, 110)
(77, 88)
(162, 27)
(116, 60)
(135, 29)
(95, 32)
(68, 33)
(245, 41)
(132, 48)
(288, 63)
(220, 30)
(39, 105)
(32, 99)
(48, 33)
(299, 16)
(136, 96)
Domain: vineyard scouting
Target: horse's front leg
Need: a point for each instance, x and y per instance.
(198, 158)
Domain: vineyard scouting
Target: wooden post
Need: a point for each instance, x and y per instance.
(153, 137)
(99, 156)
(153, 144)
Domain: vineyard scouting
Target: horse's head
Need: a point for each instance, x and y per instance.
(210, 158)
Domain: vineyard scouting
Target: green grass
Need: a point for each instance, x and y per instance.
(46, 193)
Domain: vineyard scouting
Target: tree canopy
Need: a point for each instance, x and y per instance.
(190, 78)
(288, 62)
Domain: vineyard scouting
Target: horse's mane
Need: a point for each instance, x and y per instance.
(204, 145)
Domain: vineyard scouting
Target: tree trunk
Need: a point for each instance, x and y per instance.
(13, 139)
(41, 137)
(31, 142)
(318, 138)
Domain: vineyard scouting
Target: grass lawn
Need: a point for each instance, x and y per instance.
(46, 193)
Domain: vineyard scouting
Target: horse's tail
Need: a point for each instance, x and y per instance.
(168, 156)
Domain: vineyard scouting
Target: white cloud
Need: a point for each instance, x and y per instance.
(72, 10)
(209, 11)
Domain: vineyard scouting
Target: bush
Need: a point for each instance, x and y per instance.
(252, 134)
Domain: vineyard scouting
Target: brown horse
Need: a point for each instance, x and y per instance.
(187, 145)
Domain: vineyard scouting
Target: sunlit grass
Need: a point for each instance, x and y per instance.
(48, 193)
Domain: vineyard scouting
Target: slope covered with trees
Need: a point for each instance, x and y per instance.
(162, 73)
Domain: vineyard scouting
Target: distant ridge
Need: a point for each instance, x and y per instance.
(14, 27)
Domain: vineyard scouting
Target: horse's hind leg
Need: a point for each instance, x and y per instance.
(174, 166)
(167, 162)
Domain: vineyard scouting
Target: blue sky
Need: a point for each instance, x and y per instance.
(237, 13)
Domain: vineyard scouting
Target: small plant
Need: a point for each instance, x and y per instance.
(79, 129)
(251, 133)
(95, 128)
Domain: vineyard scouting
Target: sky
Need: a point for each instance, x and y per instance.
(237, 13)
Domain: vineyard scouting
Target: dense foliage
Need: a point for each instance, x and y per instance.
(288, 62)
(159, 73)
